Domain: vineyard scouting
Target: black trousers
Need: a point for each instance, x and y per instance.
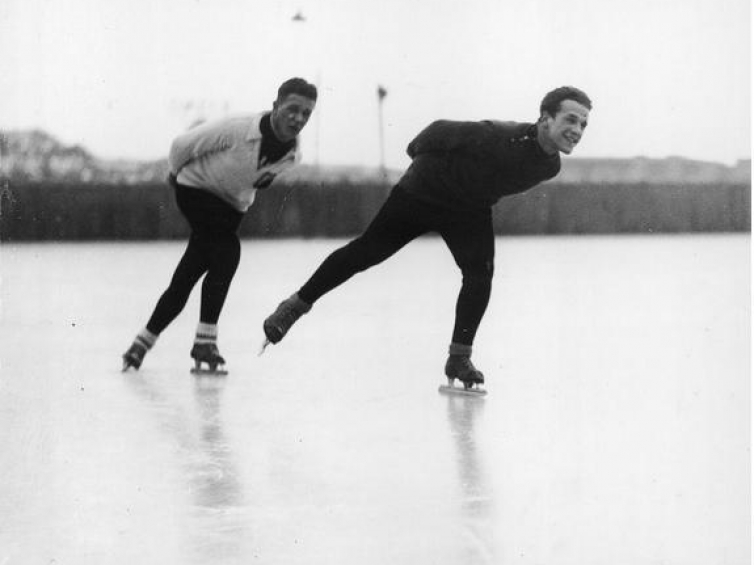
(403, 218)
(213, 248)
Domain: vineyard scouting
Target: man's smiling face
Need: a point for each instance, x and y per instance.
(563, 131)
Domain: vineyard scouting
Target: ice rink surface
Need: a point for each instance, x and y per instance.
(616, 429)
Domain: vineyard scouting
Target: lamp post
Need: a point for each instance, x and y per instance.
(381, 94)
(299, 18)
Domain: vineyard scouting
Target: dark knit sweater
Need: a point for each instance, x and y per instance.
(471, 165)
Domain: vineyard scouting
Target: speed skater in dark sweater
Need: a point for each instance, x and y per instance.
(459, 170)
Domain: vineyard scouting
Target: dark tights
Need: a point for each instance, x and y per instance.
(403, 218)
(213, 248)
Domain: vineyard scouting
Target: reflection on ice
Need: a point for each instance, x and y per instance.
(219, 513)
(216, 513)
(477, 498)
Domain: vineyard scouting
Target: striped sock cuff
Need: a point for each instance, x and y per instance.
(206, 333)
(459, 349)
(146, 338)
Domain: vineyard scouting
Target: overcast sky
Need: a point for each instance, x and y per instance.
(123, 77)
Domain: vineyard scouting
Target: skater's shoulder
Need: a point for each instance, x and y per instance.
(240, 126)
(248, 125)
(510, 128)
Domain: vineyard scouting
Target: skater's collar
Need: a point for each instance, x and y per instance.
(527, 134)
(255, 132)
(268, 133)
(533, 132)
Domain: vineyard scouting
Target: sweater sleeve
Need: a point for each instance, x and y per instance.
(445, 136)
(197, 142)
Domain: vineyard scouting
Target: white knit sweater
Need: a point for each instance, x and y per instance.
(222, 157)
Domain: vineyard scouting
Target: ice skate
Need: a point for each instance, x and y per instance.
(460, 367)
(286, 314)
(134, 356)
(207, 360)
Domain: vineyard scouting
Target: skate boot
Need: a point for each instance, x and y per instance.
(460, 367)
(289, 310)
(134, 356)
(207, 354)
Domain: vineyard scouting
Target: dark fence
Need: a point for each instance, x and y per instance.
(626, 208)
(45, 212)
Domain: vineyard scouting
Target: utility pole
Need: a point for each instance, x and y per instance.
(381, 94)
(300, 18)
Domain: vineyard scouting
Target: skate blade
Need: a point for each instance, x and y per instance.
(264, 346)
(127, 366)
(203, 368)
(201, 371)
(450, 388)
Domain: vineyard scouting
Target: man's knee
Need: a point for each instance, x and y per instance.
(234, 246)
(364, 252)
(232, 251)
(481, 272)
(225, 254)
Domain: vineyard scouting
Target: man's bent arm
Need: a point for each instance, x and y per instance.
(195, 143)
(445, 136)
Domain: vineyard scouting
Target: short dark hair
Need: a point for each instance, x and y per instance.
(552, 100)
(299, 86)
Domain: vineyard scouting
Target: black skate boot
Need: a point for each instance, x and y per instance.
(209, 355)
(281, 320)
(134, 356)
(460, 367)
